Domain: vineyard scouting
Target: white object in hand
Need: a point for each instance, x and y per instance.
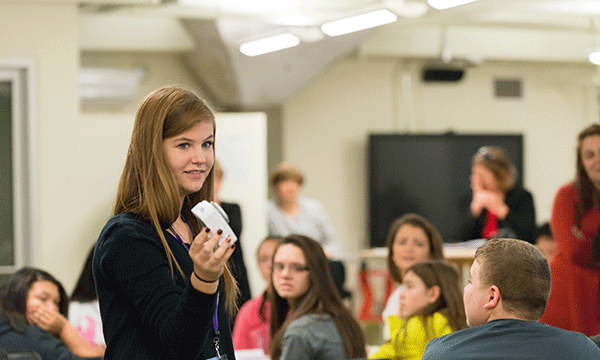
(215, 218)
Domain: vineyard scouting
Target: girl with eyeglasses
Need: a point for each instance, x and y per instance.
(308, 318)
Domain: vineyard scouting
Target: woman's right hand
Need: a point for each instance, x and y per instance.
(50, 320)
(210, 259)
(476, 201)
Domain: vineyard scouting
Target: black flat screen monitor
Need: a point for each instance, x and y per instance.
(427, 174)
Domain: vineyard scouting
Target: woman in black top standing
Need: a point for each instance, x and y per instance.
(163, 285)
(236, 263)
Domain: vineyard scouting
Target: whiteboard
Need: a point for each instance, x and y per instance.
(241, 149)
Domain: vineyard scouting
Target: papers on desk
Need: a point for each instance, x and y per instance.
(251, 354)
(379, 252)
(467, 244)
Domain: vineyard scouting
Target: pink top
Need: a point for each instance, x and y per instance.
(249, 331)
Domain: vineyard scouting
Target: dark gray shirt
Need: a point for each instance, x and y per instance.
(509, 339)
(312, 337)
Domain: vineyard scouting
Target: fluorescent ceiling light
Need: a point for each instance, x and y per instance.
(359, 22)
(595, 57)
(270, 44)
(446, 4)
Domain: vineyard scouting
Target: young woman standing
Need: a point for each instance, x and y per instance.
(163, 286)
(574, 302)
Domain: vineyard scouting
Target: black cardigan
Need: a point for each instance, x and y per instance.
(520, 218)
(148, 313)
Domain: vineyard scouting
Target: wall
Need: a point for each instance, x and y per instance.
(326, 124)
(30, 31)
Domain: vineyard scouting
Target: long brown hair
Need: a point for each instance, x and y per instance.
(436, 250)
(321, 297)
(445, 275)
(147, 187)
(588, 194)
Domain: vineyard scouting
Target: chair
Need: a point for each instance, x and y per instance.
(4, 355)
(24, 356)
(338, 273)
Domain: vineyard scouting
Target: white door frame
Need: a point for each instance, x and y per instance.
(21, 73)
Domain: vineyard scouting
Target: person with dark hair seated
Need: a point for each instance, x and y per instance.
(34, 309)
(308, 318)
(411, 239)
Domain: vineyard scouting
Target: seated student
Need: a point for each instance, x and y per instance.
(251, 329)
(431, 305)
(504, 300)
(84, 310)
(290, 213)
(33, 309)
(308, 318)
(545, 242)
(497, 207)
(411, 239)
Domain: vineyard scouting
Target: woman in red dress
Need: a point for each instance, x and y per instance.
(574, 302)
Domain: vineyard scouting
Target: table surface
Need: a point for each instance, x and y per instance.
(453, 252)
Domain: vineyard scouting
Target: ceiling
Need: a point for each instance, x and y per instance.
(208, 34)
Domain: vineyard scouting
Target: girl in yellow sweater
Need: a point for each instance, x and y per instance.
(431, 305)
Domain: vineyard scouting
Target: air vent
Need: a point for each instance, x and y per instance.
(508, 88)
(442, 74)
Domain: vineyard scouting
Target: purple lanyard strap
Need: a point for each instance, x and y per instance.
(215, 320)
(186, 246)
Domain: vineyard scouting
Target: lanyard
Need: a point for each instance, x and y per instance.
(186, 246)
(215, 321)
